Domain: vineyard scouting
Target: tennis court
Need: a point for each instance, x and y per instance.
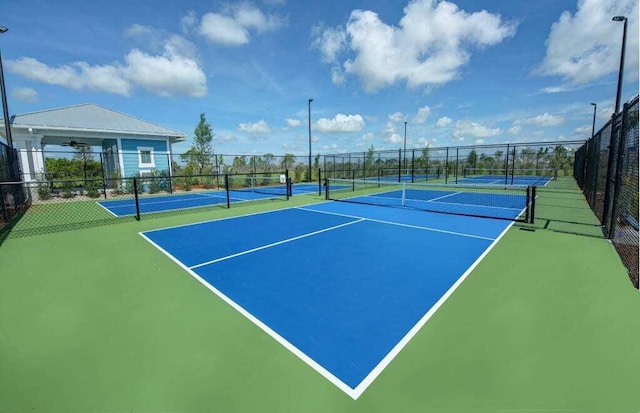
(538, 177)
(347, 316)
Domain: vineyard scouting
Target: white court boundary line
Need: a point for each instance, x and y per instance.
(275, 244)
(111, 212)
(286, 344)
(366, 382)
(377, 370)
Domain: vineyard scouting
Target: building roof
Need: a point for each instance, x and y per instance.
(92, 118)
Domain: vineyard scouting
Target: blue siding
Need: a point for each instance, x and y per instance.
(130, 155)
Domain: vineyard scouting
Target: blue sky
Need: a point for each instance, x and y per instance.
(459, 73)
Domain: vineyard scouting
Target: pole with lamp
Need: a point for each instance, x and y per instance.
(621, 70)
(405, 146)
(593, 125)
(309, 111)
(615, 140)
(5, 107)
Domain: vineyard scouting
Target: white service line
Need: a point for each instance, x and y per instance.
(274, 244)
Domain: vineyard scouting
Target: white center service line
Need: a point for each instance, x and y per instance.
(275, 243)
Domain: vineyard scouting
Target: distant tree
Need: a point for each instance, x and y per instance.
(368, 160)
(239, 162)
(268, 161)
(201, 152)
(527, 155)
(288, 161)
(472, 159)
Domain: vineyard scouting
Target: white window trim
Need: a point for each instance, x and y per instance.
(151, 164)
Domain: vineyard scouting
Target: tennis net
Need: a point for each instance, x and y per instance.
(512, 202)
(274, 184)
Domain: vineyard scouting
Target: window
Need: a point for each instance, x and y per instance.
(145, 157)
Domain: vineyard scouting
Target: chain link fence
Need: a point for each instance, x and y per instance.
(14, 199)
(59, 205)
(606, 169)
(450, 164)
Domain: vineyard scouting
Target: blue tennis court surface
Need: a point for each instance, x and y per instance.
(343, 286)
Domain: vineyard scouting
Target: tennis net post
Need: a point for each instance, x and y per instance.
(135, 195)
(287, 182)
(532, 214)
(226, 188)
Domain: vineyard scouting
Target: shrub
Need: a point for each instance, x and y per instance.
(92, 189)
(44, 191)
(154, 184)
(67, 190)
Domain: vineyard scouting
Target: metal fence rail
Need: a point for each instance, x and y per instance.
(606, 169)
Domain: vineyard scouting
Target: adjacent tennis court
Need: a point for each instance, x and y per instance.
(345, 311)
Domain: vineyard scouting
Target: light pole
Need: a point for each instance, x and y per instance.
(593, 126)
(309, 107)
(620, 72)
(5, 107)
(405, 145)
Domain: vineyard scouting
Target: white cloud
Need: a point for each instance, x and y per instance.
(340, 123)
(443, 122)
(479, 141)
(225, 139)
(188, 22)
(25, 94)
(232, 26)
(544, 120)
(421, 116)
(424, 142)
(585, 46)
(465, 129)
(76, 76)
(337, 75)
(330, 41)
(259, 127)
(429, 46)
(293, 123)
(367, 136)
(173, 72)
(165, 75)
(396, 117)
(394, 138)
(332, 147)
(583, 130)
(223, 30)
(138, 30)
(514, 130)
(390, 129)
